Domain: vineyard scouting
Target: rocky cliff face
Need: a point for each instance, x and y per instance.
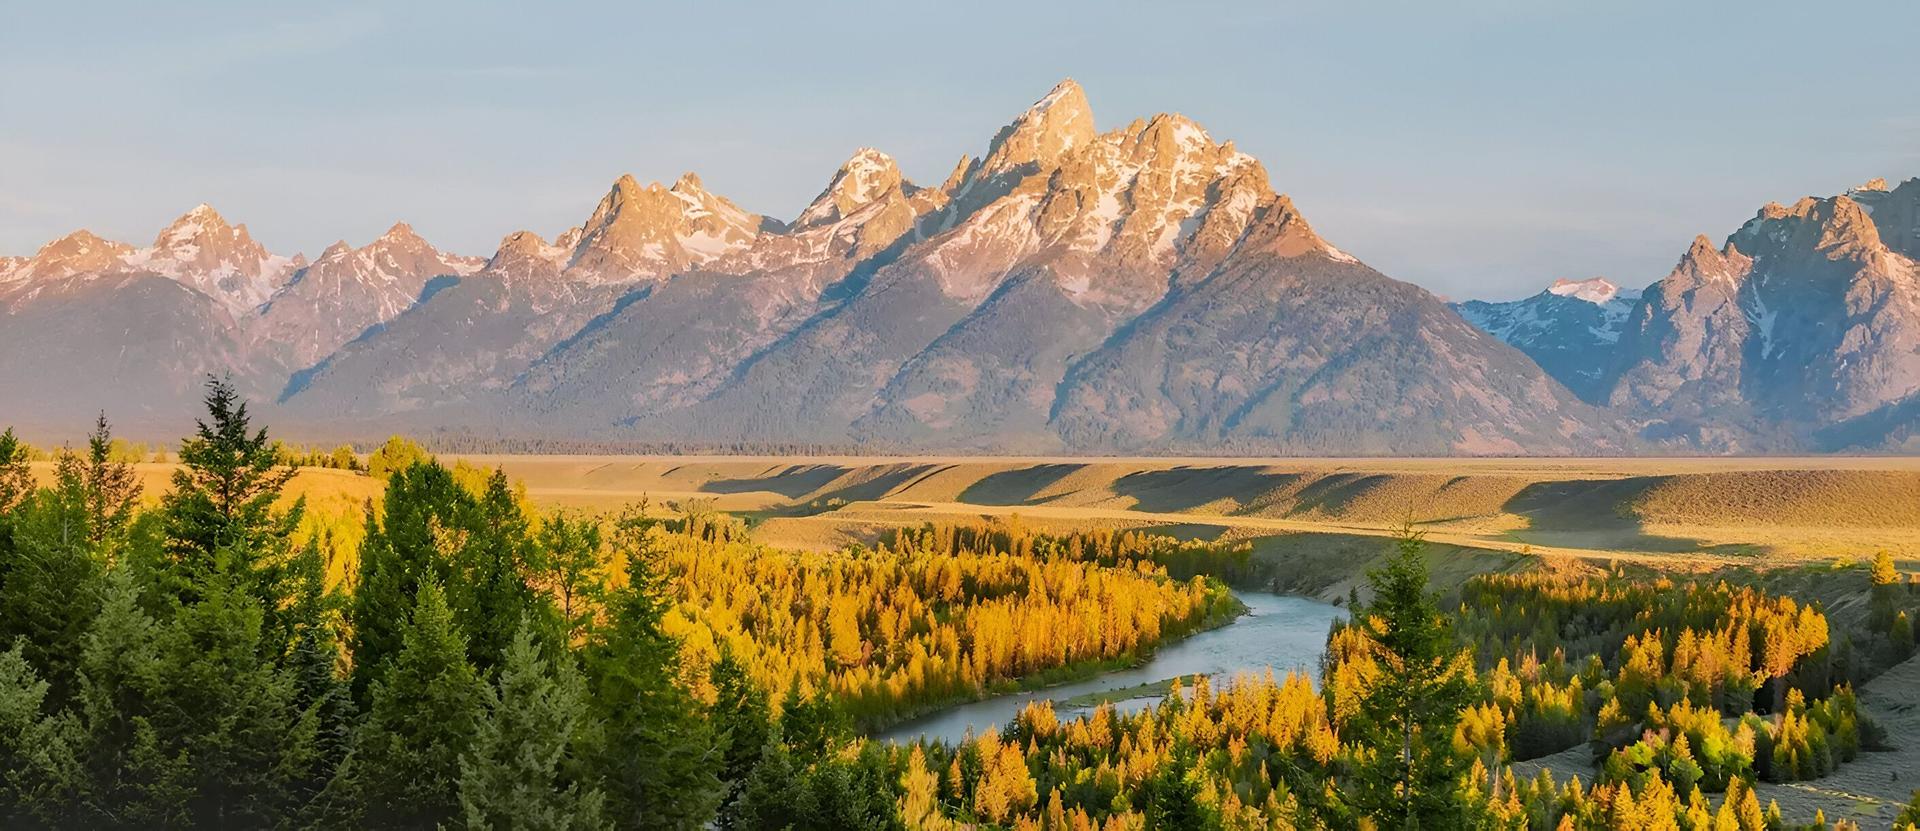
(1804, 318)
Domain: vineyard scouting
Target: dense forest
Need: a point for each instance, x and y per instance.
(216, 657)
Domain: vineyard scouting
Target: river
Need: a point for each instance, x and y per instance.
(1278, 631)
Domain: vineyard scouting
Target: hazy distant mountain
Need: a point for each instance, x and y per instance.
(1143, 289)
(1570, 329)
(346, 290)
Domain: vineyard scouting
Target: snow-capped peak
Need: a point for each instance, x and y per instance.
(1595, 290)
(867, 176)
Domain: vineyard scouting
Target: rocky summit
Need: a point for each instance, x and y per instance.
(1142, 289)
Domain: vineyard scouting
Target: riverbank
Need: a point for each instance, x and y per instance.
(1276, 631)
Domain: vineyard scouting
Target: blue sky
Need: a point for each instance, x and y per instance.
(1480, 149)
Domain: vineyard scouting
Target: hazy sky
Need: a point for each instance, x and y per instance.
(1478, 149)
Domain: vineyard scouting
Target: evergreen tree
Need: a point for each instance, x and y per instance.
(112, 489)
(220, 741)
(652, 750)
(742, 719)
(489, 591)
(16, 472)
(410, 543)
(50, 588)
(119, 663)
(516, 774)
(223, 499)
(1408, 773)
(405, 767)
(40, 773)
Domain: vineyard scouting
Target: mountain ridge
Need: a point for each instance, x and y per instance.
(1139, 289)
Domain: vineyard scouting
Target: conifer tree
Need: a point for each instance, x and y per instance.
(489, 591)
(16, 472)
(223, 499)
(1409, 773)
(112, 488)
(652, 751)
(405, 767)
(220, 741)
(40, 773)
(742, 719)
(408, 544)
(51, 585)
(517, 773)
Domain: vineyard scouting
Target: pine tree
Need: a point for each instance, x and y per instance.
(52, 577)
(40, 772)
(119, 661)
(16, 472)
(652, 751)
(221, 742)
(489, 591)
(410, 543)
(405, 767)
(1409, 775)
(516, 773)
(223, 499)
(112, 488)
(742, 719)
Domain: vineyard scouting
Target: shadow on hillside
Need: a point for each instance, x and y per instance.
(1018, 486)
(792, 482)
(1595, 513)
(1185, 488)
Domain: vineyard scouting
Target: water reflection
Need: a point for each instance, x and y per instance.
(1281, 632)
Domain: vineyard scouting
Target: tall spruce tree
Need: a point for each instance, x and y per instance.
(222, 741)
(405, 768)
(411, 541)
(223, 500)
(651, 750)
(518, 773)
(51, 587)
(40, 772)
(112, 488)
(1407, 773)
(489, 590)
(16, 473)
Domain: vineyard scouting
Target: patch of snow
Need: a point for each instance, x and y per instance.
(1596, 290)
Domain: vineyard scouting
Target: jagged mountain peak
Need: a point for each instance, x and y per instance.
(79, 252)
(864, 178)
(1835, 227)
(1056, 124)
(640, 233)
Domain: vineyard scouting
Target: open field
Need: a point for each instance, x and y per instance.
(1312, 513)
(1712, 509)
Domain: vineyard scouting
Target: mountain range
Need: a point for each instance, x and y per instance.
(1139, 290)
